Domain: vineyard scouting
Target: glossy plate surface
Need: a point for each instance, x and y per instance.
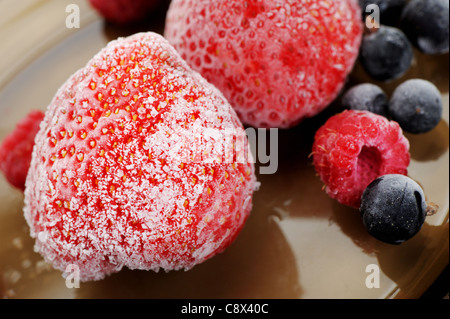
(298, 243)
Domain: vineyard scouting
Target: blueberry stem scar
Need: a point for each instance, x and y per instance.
(432, 208)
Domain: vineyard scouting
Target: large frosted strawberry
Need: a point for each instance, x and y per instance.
(139, 162)
(277, 62)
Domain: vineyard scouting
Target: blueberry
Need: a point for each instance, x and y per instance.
(393, 208)
(390, 10)
(416, 105)
(386, 54)
(368, 97)
(426, 24)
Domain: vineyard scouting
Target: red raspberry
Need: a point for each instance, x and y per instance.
(123, 11)
(353, 148)
(139, 162)
(16, 149)
(277, 62)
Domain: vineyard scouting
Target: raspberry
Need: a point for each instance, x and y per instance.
(353, 148)
(277, 62)
(134, 165)
(16, 149)
(123, 11)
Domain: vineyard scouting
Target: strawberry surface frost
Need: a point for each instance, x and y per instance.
(277, 62)
(139, 162)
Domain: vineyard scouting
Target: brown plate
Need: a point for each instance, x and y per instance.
(298, 243)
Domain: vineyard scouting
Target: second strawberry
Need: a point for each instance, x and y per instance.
(277, 62)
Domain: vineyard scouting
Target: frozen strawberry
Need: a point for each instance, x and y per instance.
(16, 149)
(139, 162)
(277, 62)
(123, 11)
(353, 148)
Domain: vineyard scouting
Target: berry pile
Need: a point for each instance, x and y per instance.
(130, 166)
(387, 48)
(352, 174)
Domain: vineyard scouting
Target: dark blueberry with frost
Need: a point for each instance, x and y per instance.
(368, 97)
(416, 105)
(393, 208)
(386, 54)
(426, 24)
(390, 10)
